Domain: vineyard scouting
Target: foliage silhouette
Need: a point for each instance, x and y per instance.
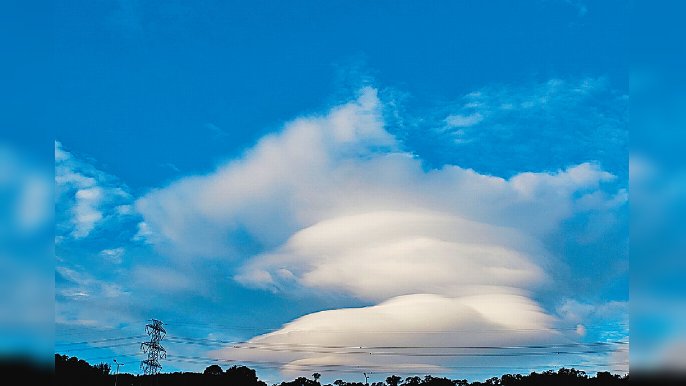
(71, 371)
(213, 370)
(393, 380)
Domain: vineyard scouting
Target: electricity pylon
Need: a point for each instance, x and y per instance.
(153, 348)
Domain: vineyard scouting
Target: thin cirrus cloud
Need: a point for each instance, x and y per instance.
(496, 129)
(332, 204)
(459, 120)
(113, 255)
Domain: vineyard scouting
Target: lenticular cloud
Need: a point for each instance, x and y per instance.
(451, 260)
(377, 255)
(407, 333)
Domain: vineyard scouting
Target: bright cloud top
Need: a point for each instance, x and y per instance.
(332, 204)
(377, 255)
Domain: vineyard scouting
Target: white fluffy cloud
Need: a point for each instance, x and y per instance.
(334, 204)
(319, 168)
(267, 193)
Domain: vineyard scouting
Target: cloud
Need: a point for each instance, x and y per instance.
(533, 126)
(414, 252)
(580, 7)
(113, 255)
(318, 168)
(590, 316)
(459, 120)
(78, 284)
(332, 204)
(85, 196)
(216, 131)
(403, 333)
(257, 196)
(577, 311)
(95, 301)
(162, 279)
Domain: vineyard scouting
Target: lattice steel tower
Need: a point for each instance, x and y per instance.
(153, 347)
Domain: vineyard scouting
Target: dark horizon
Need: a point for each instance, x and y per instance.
(71, 369)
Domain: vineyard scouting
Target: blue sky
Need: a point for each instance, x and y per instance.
(208, 152)
(165, 73)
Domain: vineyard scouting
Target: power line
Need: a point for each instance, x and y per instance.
(559, 349)
(100, 347)
(298, 347)
(284, 346)
(257, 345)
(591, 347)
(99, 340)
(110, 356)
(356, 368)
(157, 333)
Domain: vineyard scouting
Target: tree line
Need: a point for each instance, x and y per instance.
(71, 371)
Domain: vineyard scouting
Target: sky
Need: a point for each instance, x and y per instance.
(657, 185)
(339, 187)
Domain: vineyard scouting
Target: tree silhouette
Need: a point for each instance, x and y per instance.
(413, 381)
(71, 371)
(104, 368)
(213, 370)
(301, 381)
(241, 375)
(434, 381)
(76, 372)
(393, 380)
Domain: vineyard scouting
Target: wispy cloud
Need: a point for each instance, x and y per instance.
(216, 131)
(79, 284)
(459, 120)
(113, 255)
(580, 6)
(535, 126)
(85, 196)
